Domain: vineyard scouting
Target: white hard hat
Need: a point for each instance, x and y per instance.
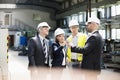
(73, 23)
(59, 31)
(43, 24)
(93, 19)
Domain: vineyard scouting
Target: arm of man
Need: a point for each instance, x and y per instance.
(89, 46)
(31, 52)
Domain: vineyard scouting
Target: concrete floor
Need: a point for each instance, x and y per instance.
(18, 71)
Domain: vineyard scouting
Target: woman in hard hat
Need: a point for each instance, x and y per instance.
(58, 49)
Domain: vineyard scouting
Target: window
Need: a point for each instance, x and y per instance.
(65, 22)
(118, 9)
(102, 12)
(102, 32)
(118, 34)
(75, 17)
(7, 19)
(108, 12)
(80, 17)
(36, 17)
(84, 16)
(113, 10)
(115, 33)
(1, 18)
(68, 19)
(94, 13)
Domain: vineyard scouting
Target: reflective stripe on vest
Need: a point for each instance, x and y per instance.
(81, 43)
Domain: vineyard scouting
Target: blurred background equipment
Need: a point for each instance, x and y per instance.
(3, 54)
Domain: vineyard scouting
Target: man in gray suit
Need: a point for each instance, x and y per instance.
(93, 46)
(38, 47)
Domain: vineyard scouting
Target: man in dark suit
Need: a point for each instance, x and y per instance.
(93, 46)
(37, 49)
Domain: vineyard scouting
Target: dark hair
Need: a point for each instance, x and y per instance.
(56, 40)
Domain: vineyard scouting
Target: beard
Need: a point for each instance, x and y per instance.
(89, 30)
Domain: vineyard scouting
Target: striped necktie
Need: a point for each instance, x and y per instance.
(44, 50)
(44, 47)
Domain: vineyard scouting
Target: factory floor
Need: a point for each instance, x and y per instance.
(18, 70)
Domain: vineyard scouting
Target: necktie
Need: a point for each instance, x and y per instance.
(44, 50)
(44, 47)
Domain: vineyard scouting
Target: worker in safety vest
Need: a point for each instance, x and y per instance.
(75, 39)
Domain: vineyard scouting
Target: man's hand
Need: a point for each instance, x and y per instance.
(68, 44)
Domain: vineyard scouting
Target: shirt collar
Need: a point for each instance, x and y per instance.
(76, 35)
(89, 34)
(41, 37)
(94, 31)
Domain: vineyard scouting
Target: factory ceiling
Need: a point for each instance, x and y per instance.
(54, 4)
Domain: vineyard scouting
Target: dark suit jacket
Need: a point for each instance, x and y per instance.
(57, 55)
(91, 52)
(35, 52)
